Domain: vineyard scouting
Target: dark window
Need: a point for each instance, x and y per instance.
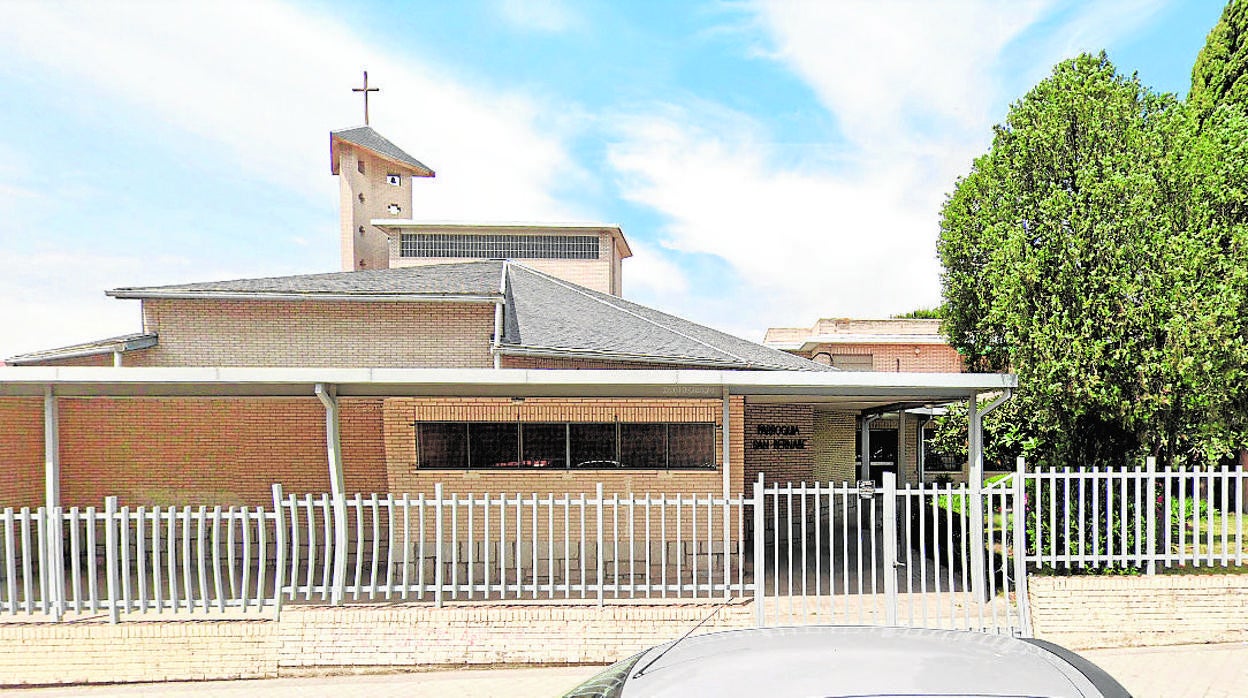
(883, 446)
(691, 445)
(442, 445)
(643, 445)
(493, 445)
(499, 246)
(561, 445)
(592, 445)
(545, 445)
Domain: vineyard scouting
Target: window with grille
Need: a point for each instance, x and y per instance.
(563, 445)
(499, 246)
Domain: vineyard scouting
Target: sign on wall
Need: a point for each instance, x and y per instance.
(778, 437)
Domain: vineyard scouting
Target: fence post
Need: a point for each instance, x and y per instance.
(890, 547)
(601, 541)
(279, 530)
(760, 561)
(110, 555)
(437, 545)
(1150, 511)
(1020, 545)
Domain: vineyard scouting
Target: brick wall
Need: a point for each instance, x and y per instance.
(907, 358)
(489, 634)
(317, 333)
(211, 450)
(763, 453)
(311, 638)
(597, 274)
(404, 476)
(1105, 611)
(21, 452)
(97, 652)
(833, 446)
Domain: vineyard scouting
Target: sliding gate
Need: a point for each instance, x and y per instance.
(938, 556)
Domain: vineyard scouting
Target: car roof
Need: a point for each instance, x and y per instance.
(854, 661)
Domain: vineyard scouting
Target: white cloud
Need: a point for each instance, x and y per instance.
(257, 86)
(650, 272)
(262, 83)
(552, 16)
(914, 87)
(806, 243)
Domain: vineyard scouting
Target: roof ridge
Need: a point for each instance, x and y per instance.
(582, 291)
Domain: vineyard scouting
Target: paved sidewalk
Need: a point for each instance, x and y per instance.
(1180, 671)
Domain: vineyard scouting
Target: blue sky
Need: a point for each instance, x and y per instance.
(770, 163)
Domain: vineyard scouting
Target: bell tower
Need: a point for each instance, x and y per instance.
(375, 182)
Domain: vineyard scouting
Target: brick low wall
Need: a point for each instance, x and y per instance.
(1088, 612)
(414, 636)
(97, 652)
(1079, 612)
(313, 639)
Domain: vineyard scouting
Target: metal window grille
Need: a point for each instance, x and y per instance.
(499, 246)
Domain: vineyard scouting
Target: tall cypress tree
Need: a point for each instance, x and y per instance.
(1220, 75)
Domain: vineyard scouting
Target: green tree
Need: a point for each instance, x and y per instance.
(1220, 75)
(1089, 251)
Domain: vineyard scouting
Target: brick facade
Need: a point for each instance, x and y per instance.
(401, 414)
(779, 442)
(317, 333)
(210, 451)
(601, 274)
(905, 358)
(21, 452)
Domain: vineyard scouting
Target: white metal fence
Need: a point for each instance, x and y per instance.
(1136, 518)
(458, 547)
(856, 553)
(924, 555)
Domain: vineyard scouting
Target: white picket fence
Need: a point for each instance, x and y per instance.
(847, 553)
(909, 556)
(458, 547)
(1136, 518)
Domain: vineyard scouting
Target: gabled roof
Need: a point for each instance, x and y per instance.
(467, 281)
(549, 317)
(543, 316)
(365, 137)
(123, 343)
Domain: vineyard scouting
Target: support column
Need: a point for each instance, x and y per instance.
(51, 449)
(333, 444)
(902, 476)
(975, 484)
(726, 440)
(55, 571)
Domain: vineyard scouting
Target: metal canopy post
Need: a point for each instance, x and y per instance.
(726, 442)
(902, 477)
(328, 397)
(975, 477)
(55, 572)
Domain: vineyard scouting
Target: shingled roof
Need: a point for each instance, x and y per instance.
(550, 317)
(365, 137)
(543, 316)
(475, 279)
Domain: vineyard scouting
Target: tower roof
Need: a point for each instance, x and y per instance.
(368, 139)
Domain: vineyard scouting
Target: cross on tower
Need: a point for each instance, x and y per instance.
(365, 89)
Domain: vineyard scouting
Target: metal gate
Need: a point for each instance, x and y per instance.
(940, 556)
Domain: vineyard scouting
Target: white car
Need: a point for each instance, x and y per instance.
(844, 661)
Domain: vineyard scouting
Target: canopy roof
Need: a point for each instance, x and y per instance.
(848, 390)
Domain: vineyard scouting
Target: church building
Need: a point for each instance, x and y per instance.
(196, 406)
